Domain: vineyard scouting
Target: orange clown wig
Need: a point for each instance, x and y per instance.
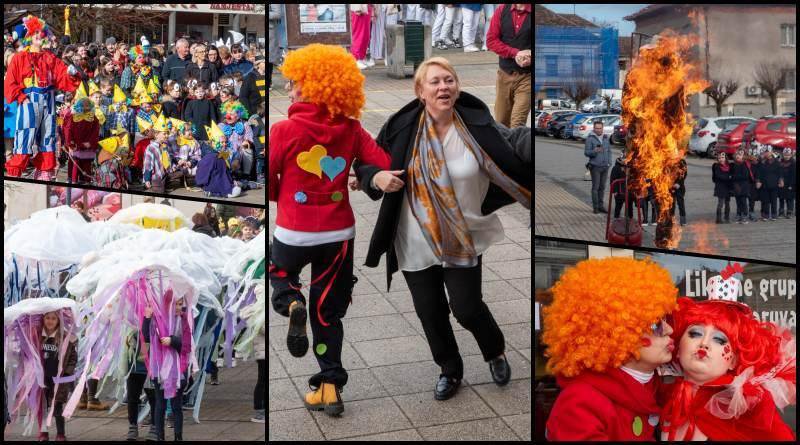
(327, 76)
(601, 309)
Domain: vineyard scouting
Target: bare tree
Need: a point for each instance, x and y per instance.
(719, 91)
(770, 77)
(579, 91)
(607, 98)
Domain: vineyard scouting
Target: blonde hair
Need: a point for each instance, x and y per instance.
(422, 71)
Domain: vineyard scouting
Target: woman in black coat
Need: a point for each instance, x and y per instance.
(721, 175)
(742, 179)
(679, 191)
(455, 117)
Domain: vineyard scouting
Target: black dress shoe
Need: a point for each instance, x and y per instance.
(296, 338)
(501, 372)
(446, 387)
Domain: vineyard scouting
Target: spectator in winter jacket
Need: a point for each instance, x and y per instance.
(679, 191)
(200, 68)
(742, 179)
(721, 175)
(769, 181)
(619, 171)
(175, 66)
(239, 63)
(598, 150)
(253, 87)
(786, 194)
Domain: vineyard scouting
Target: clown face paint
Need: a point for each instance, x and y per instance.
(657, 346)
(705, 353)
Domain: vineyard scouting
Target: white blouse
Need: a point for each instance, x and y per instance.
(471, 185)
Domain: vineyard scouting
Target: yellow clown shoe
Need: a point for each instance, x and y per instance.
(326, 398)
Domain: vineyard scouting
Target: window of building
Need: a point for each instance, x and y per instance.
(551, 65)
(790, 81)
(788, 35)
(577, 66)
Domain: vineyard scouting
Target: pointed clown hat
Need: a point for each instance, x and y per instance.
(161, 124)
(93, 88)
(139, 88)
(177, 123)
(109, 144)
(119, 96)
(215, 134)
(81, 93)
(152, 88)
(143, 124)
(145, 98)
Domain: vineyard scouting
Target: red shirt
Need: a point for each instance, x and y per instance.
(309, 161)
(611, 406)
(49, 71)
(493, 41)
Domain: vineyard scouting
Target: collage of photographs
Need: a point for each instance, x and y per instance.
(665, 251)
(134, 222)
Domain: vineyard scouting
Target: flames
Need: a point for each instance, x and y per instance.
(702, 232)
(654, 100)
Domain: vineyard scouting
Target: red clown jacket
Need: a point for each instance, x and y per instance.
(49, 71)
(78, 133)
(762, 422)
(312, 154)
(610, 406)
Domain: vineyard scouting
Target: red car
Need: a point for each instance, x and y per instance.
(730, 140)
(777, 132)
(618, 137)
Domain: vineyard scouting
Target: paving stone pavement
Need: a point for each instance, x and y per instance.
(389, 395)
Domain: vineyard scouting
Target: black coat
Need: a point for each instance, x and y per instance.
(206, 74)
(175, 68)
(741, 179)
(789, 173)
(681, 180)
(722, 181)
(200, 112)
(253, 91)
(396, 137)
(769, 173)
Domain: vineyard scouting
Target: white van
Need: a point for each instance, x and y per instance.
(554, 103)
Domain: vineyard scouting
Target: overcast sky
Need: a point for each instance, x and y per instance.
(612, 14)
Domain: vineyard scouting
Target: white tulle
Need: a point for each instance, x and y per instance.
(732, 403)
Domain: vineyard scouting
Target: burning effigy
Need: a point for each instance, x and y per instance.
(655, 97)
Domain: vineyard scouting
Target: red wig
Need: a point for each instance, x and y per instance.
(755, 343)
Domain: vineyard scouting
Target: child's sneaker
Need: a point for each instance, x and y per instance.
(133, 432)
(258, 417)
(296, 339)
(170, 421)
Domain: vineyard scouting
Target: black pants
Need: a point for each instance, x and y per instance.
(161, 408)
(260, 392)
(741, 204)
(786, 196)
(769, 202)
(646, 205)
(619, 201)
(724, 202)
(135, 384)
(677, 200)
(57, 411)
(286, 262)
(466, 301)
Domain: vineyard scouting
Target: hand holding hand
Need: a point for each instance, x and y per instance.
(354, 183)
(166, 341)
(389, 181)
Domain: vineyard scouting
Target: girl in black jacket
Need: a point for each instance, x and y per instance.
(200, 112)
(679, 191)
(742, 179)
(721, 175)
(786, 194)
(769, 180)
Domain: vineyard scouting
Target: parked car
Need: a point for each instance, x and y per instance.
(591, 106)
(704, 135)
(556, 126)
(553, 103)
(569, 127)
(545, 117)
(619, 134)
(730, 139)
(582, 128)
(777, 133)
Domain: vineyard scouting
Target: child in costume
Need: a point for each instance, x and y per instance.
(735, 370)
(172, 101)
(606, 334)
(118, 114)
(259, 134)
(40, 349)
(310, 155)
(110, 170)
(81, 133)
(239, 135)
(200, 112)
(140, 71)
(188, 153)
(157, 163)
(31, 79)
(214, 169)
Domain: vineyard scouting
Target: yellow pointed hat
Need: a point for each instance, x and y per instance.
(176, 123)
(119, 96)
(93, 88)
(152, 88)
(139, 88)
(157, 107)
(214, 132)
(80, 93)
(145, 98)
(143, 124)
(160, 124)
(109, 144)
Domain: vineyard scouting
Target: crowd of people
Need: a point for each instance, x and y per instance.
(756, 175)
(121, 115)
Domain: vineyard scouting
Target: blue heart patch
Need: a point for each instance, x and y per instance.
(332, 167)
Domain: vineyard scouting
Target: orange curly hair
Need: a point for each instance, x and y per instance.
(328, 76)
(601, 309)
